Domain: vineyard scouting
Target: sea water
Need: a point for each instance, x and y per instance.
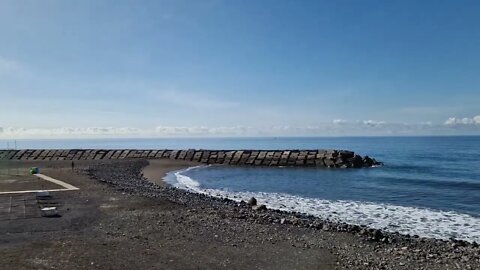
(428, 186)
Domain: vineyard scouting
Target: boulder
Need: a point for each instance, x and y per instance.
(329, 163)
(252, 202)
(339, 161)
(367, 161)
(332, 154)
(356, 161)
(346, 154)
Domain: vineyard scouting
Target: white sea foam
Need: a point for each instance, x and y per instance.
(405, 220)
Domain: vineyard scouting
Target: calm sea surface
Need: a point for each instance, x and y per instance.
(429, 186)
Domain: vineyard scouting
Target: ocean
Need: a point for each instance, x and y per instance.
(428, 186)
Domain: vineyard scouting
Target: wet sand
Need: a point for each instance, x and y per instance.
(157, 169)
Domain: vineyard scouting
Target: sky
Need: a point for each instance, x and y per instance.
(158, 68)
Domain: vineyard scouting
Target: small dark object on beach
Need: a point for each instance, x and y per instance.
(252, 202)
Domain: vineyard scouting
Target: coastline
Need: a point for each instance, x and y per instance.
(135, 222)
(345, 213)
(157, 169)
(405, 244)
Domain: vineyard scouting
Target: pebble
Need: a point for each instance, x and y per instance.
(381, 250)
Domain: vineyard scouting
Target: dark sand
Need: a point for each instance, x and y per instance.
(108, 224)
(103, 228)
(158, 168)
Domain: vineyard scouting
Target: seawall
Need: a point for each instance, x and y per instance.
(294, 158)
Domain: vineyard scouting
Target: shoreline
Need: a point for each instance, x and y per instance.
(157, 169)
(376, 234)
(423, 248)
(131, 221)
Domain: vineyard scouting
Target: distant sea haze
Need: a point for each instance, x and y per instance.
(429, 186)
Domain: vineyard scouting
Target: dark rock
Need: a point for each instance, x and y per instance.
(346, 154)
(329, 163)
(252, 202)
(339, 161)
(377, 235)
(356, 161)
(367, 161)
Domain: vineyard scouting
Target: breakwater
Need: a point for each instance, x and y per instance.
(294, 158)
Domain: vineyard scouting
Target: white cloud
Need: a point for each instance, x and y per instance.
(463, 121)
(476, 119)
(339, 121)
(206, 131)
(452, 126)
(373, 123)
(66, 132)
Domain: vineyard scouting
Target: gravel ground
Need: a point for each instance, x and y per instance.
(348, 246)
(119, 220)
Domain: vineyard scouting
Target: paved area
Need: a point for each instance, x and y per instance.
(19, 184)
(24, 206)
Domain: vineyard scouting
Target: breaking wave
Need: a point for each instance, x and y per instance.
(423, 222)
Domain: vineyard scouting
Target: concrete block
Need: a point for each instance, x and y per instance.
(266, 161)
(262, 155)
(319, 162)
(190, 154)
(206, 155)
(34, 155)
(250, 160)
(167, 153)
(19, 154)
(27, 154)
(229, 154)
(182, 154)
(238, 154)
(109, 154)
(274, 163)
(329, 163)
(77, 155)
(2, 154)
(152, 154)
(221, 154)
(160, 154)
(124, 154)
(117, 153)
(10, 154)
(197, 156)
(145, 153)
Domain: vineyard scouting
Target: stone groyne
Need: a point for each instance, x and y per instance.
(293, 158)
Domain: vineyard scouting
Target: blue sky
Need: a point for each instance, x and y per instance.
(238, 68)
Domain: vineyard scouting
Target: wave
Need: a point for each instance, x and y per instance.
(393, 218)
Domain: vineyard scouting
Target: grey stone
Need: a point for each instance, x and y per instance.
(252, 201)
